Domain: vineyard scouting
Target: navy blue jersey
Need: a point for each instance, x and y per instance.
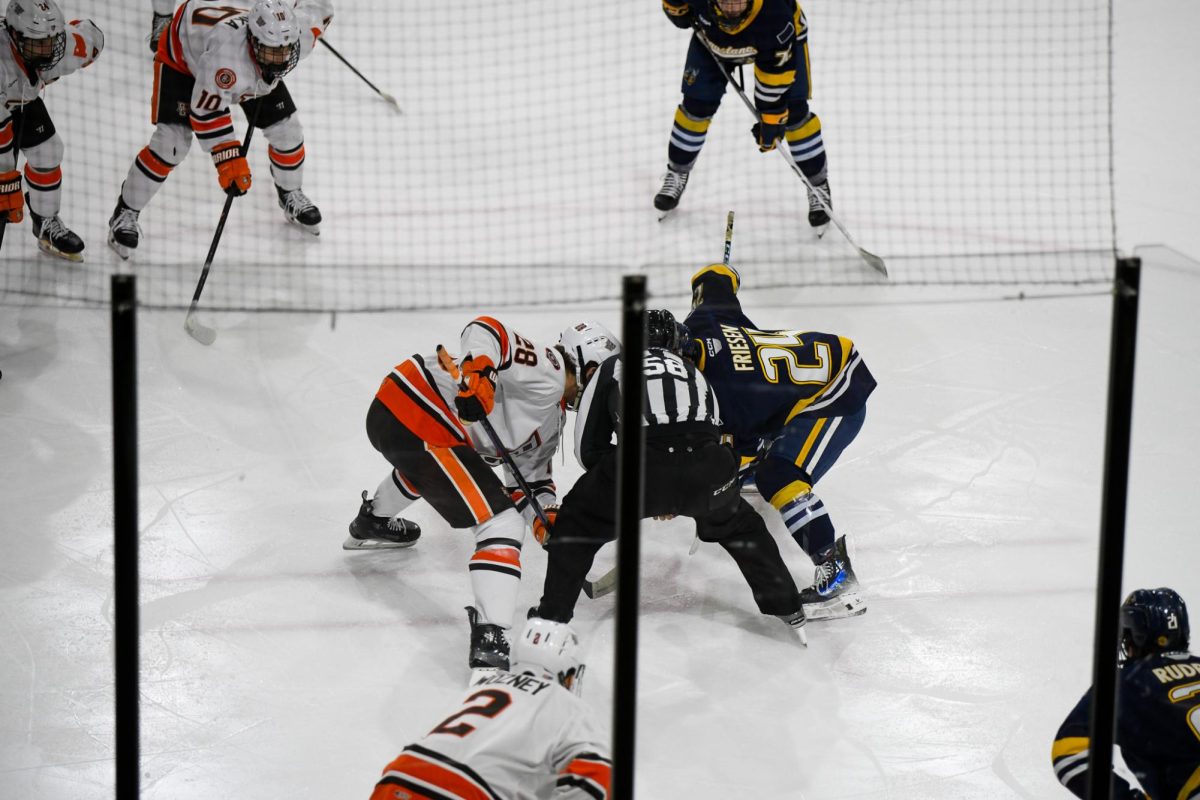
(767, 37)
(1158, 728)
(764, 379)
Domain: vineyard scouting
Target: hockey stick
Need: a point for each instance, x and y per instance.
(191, 323)
(873, 261)
(378, 91)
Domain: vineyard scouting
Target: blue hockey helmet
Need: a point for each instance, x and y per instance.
(1153, 621)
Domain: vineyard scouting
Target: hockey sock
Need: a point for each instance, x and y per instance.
(393, 495)
(807, 148)
(286, 151)
(43, 176)
(687, 137)
(495, 567)
(806, 519)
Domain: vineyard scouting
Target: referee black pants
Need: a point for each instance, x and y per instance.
(692, 480)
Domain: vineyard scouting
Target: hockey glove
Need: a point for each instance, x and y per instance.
(769, 131)
(680, 14)
(540, 531)
(233, 171)
(12, 204)
(479, 398)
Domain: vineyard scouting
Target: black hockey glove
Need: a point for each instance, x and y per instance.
(681, 15)
(766, 134)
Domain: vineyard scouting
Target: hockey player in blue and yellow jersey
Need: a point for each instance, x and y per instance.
(1158, 706)
(793, 400)
(773, 36)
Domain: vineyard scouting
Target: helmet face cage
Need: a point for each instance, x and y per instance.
(730, 17)
(275, 61)
(274, 38)
(1153, 621)
(38, 31)
(586, 344)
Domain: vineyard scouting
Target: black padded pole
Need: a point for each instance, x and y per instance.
(125, 532)
(1112, 527)
(630, 458)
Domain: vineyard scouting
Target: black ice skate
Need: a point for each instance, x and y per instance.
(796, 622)
(672, 189)
(489, 648)
(54, 237)
(834, 593)
(369, 532)
(123, 230)
(299, 210)
(818, 217)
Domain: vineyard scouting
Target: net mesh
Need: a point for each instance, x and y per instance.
(969, 143)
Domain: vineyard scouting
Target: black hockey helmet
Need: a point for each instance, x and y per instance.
(663, 330)
(1153, 621)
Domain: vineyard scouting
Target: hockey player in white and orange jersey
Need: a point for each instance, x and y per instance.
(213, 54)
(421, 422)
(515, 735)
(37, 47)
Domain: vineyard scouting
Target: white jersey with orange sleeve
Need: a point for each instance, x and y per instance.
(512, 737)
(209, 42)
(18, 87)
(529, 410)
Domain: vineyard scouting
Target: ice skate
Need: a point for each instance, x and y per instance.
(55, 238)
(300, 211)
(672, 189)
(818, 217)
(124, 233)
(489, 648)
(834, 593)
(369, 532)
(796, 622)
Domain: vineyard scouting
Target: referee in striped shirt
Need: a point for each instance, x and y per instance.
(688, 472)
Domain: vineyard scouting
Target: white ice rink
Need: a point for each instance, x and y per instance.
(275, 664)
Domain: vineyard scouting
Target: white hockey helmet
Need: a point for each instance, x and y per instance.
(587, 344)
(38, 30)
(550, 648)
(274, 32)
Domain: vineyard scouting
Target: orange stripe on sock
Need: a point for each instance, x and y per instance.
(287, 159)
(43, 178)
(154, 164)
(509, 556)
(462, 481)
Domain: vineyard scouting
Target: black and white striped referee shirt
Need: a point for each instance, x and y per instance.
(676, 395)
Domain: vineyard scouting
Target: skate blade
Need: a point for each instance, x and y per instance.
(819, 230)
(120, 249)
(313, 230)
(663, 216)
(801, 636)
(373, 544)
(840, 607)
(51, 250)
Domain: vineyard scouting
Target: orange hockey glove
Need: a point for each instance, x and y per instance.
(233, 171)
(12, 204)
(540, 531)
(479, 398)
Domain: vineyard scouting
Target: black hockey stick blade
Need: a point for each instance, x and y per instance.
(198, 330)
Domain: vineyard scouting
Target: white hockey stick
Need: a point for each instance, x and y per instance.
(873, 261)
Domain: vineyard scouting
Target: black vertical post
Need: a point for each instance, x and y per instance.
(1112, 527)
(630, 455)
(125, 532)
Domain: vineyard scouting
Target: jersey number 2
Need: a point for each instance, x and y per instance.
(493, 702)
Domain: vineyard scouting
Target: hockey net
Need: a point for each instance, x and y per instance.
(969, 142)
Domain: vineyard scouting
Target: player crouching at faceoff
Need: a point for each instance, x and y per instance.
(210, 57)
(517, 734)
(793, 400)
(420, 421)
(37, 47)
(1158, 706)
(688, 472)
